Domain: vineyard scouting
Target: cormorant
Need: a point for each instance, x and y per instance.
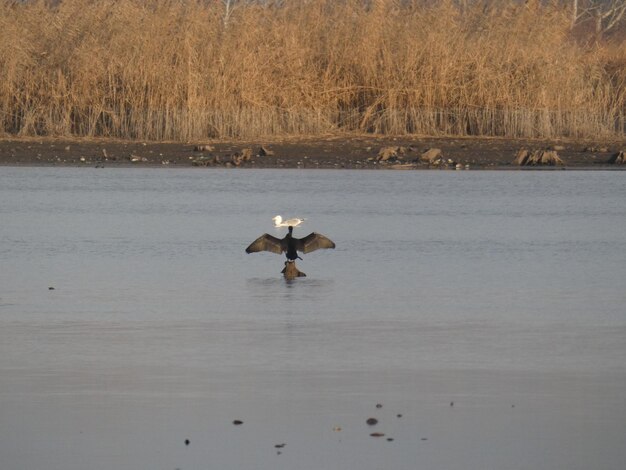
(289, 244)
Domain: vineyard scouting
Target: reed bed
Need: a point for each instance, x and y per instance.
(179, 70)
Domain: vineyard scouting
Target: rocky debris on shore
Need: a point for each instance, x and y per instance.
(363, 152)
(398, 157)
(203, 148)
(265, 152)
(236, 159)
(432, 156)
(526, 157)
(136, 158)
(618, 158)
(557, 148)
(593, 149)
(386, 154)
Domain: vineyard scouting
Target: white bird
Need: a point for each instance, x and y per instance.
(279, 222)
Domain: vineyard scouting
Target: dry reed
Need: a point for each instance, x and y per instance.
(175, 70)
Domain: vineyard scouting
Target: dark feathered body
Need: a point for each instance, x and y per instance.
(289, 244)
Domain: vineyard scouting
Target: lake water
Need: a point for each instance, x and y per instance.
(487, 308)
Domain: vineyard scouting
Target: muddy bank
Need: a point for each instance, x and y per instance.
(328, 152)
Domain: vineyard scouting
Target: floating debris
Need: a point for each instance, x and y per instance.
(377, 434)
(187, 442)
(378, 405)
(399, 415)
(337, 428)
(371, 421)
(237, 422)
(280, 446)
(50, 288)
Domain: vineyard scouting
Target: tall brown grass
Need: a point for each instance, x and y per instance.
(175, 70)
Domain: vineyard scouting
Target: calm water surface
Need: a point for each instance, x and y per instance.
(487, 308)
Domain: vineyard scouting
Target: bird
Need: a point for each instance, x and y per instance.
(279, 222)
(289, 244)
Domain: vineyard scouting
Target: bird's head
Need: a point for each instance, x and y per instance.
(290, 229)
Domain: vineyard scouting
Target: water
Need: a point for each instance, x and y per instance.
(487, 308)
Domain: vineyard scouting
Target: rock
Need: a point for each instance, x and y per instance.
(236, 159)
(203, 148)
(618, 158)
(246, 154)
(290, 271)
(205, 161)
(265, 152)
(372, 421)
(387, 153)
(557, 148)
(522, 157)
(549, 157)
(432, 156)
(537, 157)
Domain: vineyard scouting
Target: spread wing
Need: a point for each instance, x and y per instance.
(266, 242)
(313, 241)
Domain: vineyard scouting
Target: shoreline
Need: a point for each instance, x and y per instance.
(324, 152)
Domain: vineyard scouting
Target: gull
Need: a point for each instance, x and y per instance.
(289, 244)
(279, 222)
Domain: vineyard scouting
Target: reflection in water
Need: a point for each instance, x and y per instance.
(300, 288)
